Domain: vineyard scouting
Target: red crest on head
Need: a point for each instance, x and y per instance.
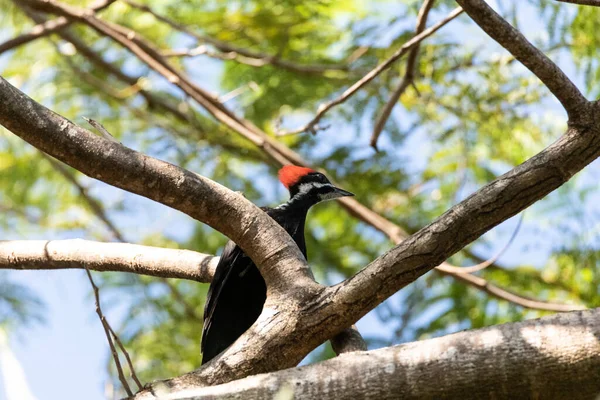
(289, 175)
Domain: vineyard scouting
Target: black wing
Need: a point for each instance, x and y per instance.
(231, 252)
(235, 300)
(238, 292)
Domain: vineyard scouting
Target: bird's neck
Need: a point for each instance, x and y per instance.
(300, 202)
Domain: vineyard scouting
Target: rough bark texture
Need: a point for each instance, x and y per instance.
(556, 357)
(253, 230)
(98, 256)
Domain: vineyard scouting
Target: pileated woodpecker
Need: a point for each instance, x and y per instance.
(238, 292)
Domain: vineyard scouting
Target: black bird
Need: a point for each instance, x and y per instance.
(238, 292)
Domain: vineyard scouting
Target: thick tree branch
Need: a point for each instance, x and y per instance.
(526, 360)
(537, 62)
(486, 208)
(260, 237)
(99, 256)
(47, 28)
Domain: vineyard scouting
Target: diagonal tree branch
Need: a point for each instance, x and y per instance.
(407, 79)
(99, 256)
(537, 62)
(270, 246)
(492, 204)
(47, 28)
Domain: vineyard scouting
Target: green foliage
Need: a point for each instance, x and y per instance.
(473, 113)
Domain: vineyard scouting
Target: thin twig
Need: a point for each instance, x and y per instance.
(126, 353)
(107, 331)
(100, 128)
(407, 79)
(231, 52)
(133, 82)
(503, 294)
(491, 261)
(324, 108)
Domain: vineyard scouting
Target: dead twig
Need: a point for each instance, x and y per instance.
(324, 108)
(407, 79)
(108, 331)
(491, 261)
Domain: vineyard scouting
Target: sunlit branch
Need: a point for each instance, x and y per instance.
(99, 256)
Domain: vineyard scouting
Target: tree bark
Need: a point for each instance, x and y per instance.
(98, 256)
(556, 357)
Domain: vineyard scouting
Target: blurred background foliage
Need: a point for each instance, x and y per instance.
(472, 114)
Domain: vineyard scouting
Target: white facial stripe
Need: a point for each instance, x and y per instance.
(307, 187)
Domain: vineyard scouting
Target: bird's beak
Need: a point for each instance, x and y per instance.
(341, 193)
